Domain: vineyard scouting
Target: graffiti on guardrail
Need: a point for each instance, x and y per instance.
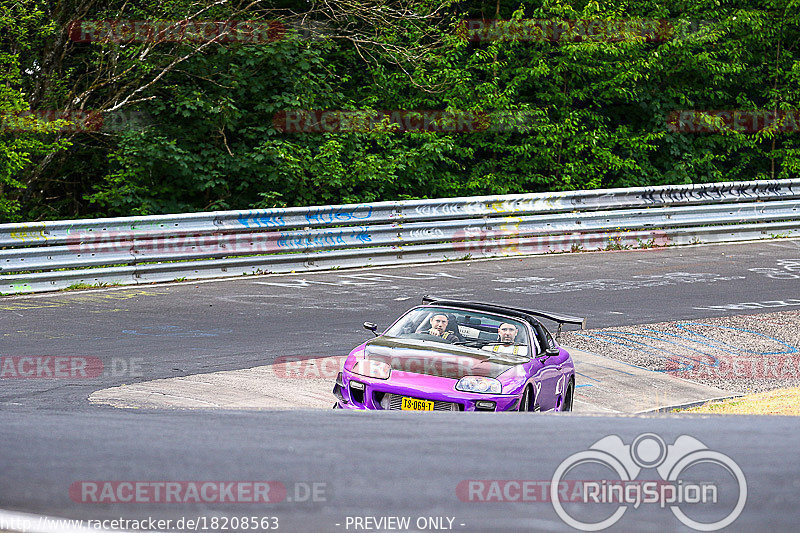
(262, 220)
(145, 243)
(301, 241)
(486, 207)
(715, 192)
(426, 233)
(507, 240)
(459, 227)
(26, 236)
(328, 215)
(142, 242)
(312, 216)
(428, 210)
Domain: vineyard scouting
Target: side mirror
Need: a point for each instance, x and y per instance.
(372, 327)
(550, 352)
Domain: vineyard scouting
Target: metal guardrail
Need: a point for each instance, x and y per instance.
(43, 256)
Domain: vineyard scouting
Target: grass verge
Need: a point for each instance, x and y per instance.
(775, 402)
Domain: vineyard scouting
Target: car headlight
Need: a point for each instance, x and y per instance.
(479, 384)
(372, 369)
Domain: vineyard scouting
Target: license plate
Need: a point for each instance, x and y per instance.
(413, 404)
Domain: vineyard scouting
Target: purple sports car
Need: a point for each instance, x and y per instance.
(448, 355)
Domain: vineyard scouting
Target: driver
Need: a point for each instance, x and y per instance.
(507, 335)
(439, 328)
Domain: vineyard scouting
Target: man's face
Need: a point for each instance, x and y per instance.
(507, 333)
(439, 322)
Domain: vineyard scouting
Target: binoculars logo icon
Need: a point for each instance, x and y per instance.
(648, 451)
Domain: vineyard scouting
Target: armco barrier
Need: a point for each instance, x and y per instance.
(43, 256)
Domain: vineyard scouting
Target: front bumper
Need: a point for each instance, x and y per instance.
(358, 392)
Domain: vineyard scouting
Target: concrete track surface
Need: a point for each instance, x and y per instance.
(604, 386)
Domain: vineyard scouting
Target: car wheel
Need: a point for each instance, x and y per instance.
(526, 404)
(566, 405)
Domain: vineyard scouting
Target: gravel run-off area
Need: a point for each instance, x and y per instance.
(740, 354)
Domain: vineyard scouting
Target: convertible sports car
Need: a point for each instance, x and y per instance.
(449, 355)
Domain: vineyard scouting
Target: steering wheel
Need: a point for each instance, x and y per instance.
(429, 337)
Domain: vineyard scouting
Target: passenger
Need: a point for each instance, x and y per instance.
(507, 336)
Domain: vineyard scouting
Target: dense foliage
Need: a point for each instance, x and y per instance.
(191, 126)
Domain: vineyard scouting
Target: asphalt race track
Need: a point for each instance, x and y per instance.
(338, 468)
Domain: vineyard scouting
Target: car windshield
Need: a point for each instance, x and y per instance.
(458, 326)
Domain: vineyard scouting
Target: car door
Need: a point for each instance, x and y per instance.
(551, 377)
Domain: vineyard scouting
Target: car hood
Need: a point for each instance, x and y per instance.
(439, 359)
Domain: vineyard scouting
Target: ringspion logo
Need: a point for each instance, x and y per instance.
(695, 482)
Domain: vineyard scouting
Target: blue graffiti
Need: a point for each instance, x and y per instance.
(325, 239)
(362, 234)
(263, 220)
(358, 235)
(327, 215)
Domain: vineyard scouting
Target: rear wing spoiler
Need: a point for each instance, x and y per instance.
(558, 319)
